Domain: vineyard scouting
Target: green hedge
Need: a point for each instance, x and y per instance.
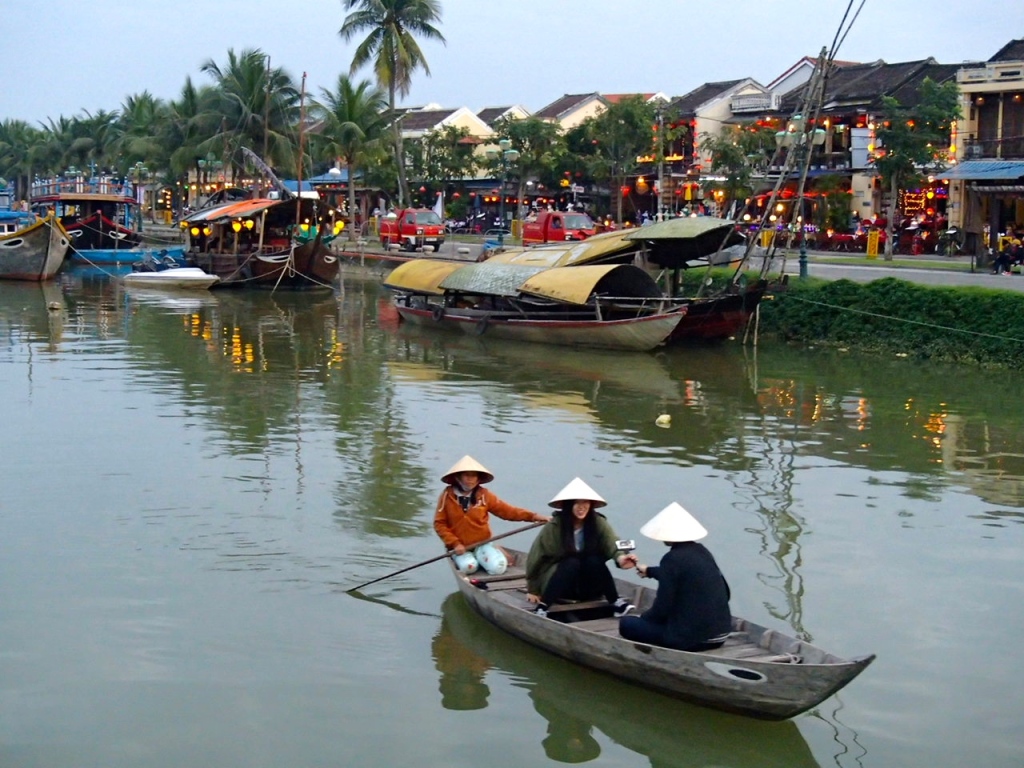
(979, 326)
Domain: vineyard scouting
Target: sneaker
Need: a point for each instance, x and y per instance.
(541, 610)
(622, 606)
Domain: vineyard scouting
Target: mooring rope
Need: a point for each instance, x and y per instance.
(905, 320)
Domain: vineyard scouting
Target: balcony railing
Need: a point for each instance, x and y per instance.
(41, 188)
(1005, 149)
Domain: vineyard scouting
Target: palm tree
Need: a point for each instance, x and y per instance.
(257, 107)
(352, 124)
(17, 138)
(391, 45)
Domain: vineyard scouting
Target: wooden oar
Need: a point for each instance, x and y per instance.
(446, 554)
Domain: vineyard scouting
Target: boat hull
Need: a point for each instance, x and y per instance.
(34, 253)
(789, 677)
(718, 317)
(124, 255)
(640, 333)
(310, 265)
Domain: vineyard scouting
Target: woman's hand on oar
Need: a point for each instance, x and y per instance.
(448, 554)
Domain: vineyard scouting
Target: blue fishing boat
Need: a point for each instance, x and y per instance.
(101, 217)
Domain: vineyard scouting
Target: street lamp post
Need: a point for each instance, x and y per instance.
(139, 173)
(505, 156)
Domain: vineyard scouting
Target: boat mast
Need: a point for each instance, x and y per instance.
(302, 121)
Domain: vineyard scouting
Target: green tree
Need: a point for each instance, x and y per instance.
(390, 45)
(834, 196)
(620, 135)
(540, 147)
(736, 152)
(353, 123)
(444, 155)
(17, 140)
(912, 140)
(257, 107)
(136, 134)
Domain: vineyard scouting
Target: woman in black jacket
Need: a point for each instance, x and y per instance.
(691, 608)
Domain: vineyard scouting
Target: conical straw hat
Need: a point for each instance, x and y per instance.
(577, 489)
(467, 464)
(674, 524)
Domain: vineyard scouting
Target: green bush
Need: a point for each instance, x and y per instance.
(965, 325)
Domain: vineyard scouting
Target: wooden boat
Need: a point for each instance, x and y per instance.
(30, 248)
(607, 306)
(98, 214)
(672, 246)
(719, 316)
(101, 218)
(466, 648)
(759, 672)
(258, 243)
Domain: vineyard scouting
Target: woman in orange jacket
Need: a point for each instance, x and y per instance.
(462, 519)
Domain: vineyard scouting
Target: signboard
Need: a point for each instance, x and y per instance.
(873, 244)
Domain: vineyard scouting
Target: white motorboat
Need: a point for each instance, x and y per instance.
(175, 277)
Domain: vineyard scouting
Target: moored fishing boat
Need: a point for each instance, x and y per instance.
(608, 306)
(665, 249)
(31, 248)
(101, 218)
(759, 672)
(262, 242)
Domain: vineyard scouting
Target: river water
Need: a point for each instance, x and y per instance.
(191, 484)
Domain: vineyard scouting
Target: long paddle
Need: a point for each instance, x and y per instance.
(442, 557)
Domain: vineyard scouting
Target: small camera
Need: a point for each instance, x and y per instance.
(625, 545)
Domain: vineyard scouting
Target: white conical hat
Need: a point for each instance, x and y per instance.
(577, 489)
(673, 524)
(467, 464)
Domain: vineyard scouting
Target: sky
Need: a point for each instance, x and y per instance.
(68, 57)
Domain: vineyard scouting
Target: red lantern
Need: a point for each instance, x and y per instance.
(456, 196)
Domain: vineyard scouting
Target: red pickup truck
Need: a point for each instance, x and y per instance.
(411, 229)
(557, 226)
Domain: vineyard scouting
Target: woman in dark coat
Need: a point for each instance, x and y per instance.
(691, 608)
(568, 558)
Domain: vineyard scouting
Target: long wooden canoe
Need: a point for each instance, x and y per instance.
(759, 672)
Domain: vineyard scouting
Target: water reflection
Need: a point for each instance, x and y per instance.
(578, 706)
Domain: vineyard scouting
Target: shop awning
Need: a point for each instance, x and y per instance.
(985, 170)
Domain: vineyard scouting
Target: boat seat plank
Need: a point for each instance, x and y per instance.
(605, 626)
(740, 651)
(509, 575)
(581, 605)
(507, 585)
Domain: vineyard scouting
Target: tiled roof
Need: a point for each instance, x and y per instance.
(615, 98)
(490, 114)
(908, 93)
(1012, 51)
(687, 104)
(862, 86)
(559, 107)
(424, 120)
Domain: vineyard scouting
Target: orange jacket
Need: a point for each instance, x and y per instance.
(471, 527)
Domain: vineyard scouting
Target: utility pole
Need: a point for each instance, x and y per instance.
(661, 164)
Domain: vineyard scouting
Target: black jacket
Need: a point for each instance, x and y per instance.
(693, 596)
